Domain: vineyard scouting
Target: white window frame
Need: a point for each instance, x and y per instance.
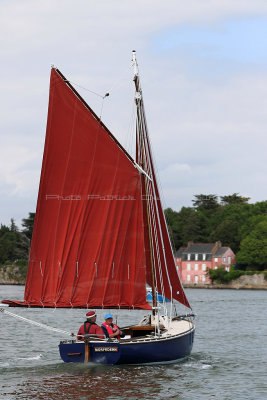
(196, 267)
(188, 278)
(216, 259)
(204, 267)
(196, 257)
(188, 267)
(188, 257)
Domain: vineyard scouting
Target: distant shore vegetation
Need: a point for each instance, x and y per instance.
(229, 219)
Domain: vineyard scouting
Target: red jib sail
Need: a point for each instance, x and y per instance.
(159, 254)
(88, 245)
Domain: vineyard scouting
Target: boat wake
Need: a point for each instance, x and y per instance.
(31, 358)
(198, 362)
(197, 365)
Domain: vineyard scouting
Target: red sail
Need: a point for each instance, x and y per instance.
(157, 241)
(88, 240)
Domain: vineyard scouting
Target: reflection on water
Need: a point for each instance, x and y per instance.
(100, 382)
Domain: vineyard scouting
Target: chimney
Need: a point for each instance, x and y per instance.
(216, 246)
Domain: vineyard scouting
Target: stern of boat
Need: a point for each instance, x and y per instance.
(72, 351)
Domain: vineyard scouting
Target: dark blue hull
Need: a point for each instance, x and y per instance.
(134, 352)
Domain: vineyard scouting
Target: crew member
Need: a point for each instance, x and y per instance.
(90, 327)
(111, 330)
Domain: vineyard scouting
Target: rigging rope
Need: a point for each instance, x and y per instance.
(29, 321)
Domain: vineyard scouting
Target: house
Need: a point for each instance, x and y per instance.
(194, 260)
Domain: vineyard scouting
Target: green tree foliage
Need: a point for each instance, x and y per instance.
(14, 244)
(227, 232)
(173, 227)
(231, 221)
(189, 225)
(183, 226)
(253, 248)
(221, 276)
(27, 223)
(205, 201)
(234, 199)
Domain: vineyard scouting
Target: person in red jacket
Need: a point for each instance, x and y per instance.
(90, 327)
(111, 330)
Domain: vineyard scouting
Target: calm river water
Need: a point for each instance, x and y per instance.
(229, 358)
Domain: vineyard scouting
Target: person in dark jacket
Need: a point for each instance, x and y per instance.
(90, 327)
(111, 330)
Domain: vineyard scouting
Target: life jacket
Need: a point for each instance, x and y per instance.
(110, 330)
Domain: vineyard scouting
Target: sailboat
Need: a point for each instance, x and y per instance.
(100, 235)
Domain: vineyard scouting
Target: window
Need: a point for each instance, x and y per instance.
(196, 267)
(227, 269)
(204, 257)
(224, 259)
(216, 267)
(216, 259)
(204, 267)
(203, 278)
(188, 267)
(188, 278)
(196, 257)
(188, 257)
(229, 260)
(196, 278)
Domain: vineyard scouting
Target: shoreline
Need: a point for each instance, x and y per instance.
(247, 282)
(221, 286)
(244, 282)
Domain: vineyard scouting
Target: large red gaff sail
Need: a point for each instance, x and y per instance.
(88, 240)
(167, 280)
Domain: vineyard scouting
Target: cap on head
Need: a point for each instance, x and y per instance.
(90, 314)
(107, 316)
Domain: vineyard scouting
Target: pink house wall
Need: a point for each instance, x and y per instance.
(199, 268)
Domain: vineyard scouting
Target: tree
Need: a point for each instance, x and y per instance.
(205, 201)
(233, 199)
(14, 245)
(13, 226)
(172, 223)
(227, 233)
(28, 223)
(253, 249)
(189, 225)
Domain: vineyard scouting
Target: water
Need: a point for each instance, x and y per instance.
(229, 358)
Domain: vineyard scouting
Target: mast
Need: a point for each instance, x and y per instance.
(140, 140)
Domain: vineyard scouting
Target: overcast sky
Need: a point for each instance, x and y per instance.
(203, 68)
